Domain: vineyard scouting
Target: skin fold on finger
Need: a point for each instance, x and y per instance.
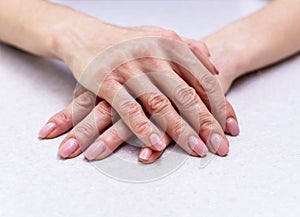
(61, 122)
(190, 106)
(132, 114)
(85, 132)
(162, 111)
(231, 127)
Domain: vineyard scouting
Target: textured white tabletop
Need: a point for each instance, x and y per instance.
(260, 176)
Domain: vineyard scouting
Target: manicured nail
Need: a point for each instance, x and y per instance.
(145, 154)
(219, 144)
(232, 126)
(214, 65)
(95, 150)
(197, 146)
(157, 142)
(46, 130)
(68, 148)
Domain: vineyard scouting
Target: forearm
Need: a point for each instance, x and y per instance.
(267, 36)
(33, 26)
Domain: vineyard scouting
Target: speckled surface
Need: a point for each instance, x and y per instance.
(260, 176)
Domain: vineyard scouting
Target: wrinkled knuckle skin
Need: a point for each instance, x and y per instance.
(158, 103)
(178, 130)
(85, 100)
(104, 109)
(141, 128)
(130, 109)
(65, 117)
(85, 130)
(186, 97)
(209, 83)
(206, 123)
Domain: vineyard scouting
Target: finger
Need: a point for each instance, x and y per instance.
(132, 114)
(108, 141)
(193, 109)
(64, 120)
(231, 127)
(85, 132)
(164, 114)
(201, 51)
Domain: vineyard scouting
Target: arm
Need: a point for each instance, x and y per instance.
(265, 37)
(51, 30)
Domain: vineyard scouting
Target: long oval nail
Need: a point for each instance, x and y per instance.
(95, 150)
(219, 144)
(157, 142)
(145, 154)
(68, 148)
(232, 126)
(46, 130)
(197, 146)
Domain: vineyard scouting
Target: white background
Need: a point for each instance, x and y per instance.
(260, 176)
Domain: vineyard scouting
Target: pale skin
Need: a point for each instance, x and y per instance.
(249, 44)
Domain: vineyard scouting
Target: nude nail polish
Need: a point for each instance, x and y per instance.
(145, 154)
(232, 126)
(157, 142)
(68, 148)
(219, 144)
(197, 146)
(95, 150)
(46, 130)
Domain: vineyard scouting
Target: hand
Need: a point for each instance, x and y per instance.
(202, 53)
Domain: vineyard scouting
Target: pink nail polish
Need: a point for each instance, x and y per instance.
(214, 65)
(95, 150)
(145, 154)
(219, 144)
(68, 148)
(157, 142)
(46, 130)
(232, 126)
(197, 146)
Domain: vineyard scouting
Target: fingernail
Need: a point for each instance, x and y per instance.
(219, 144)
(232, 126)
(145, 154)
(198, 146)
(95, 150)
(157, 142)
(68, 148)
(46, 130)
(214, 65)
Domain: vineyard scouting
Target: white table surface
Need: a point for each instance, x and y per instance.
(260, 176)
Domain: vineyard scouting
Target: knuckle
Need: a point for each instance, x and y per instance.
(186, 97)
(142, 128)
(84, 100)
(209, 83)
(158, 102)
(112, 135)
(178, 129)
(130, 108)
(85, 130)
(65, 117)
(104, 109)
(206, 123)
